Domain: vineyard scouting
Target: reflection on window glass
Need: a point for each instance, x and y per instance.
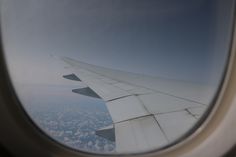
(116, 76)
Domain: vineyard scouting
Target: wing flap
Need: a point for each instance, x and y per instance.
(126, 108)
(175, 124)
(139, 134)
(197, 111)
(160, 103)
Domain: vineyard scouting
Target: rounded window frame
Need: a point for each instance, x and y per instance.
(212, 118)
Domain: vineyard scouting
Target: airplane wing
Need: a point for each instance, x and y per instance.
(147, 112)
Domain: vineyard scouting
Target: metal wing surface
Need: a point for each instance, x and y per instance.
(147, 112)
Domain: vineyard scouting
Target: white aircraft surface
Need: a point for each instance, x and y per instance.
(147, 112)
(151, 116)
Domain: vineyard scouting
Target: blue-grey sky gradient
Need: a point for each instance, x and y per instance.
(179, 39)
(186, 40)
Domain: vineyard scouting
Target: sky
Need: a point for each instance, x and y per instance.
(185, 40)
(178, 39)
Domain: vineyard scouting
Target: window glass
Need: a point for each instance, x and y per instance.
(116, 76)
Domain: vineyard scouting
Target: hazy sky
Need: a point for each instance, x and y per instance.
(179, 39)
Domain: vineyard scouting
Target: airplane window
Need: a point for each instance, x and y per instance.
(116, 76)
